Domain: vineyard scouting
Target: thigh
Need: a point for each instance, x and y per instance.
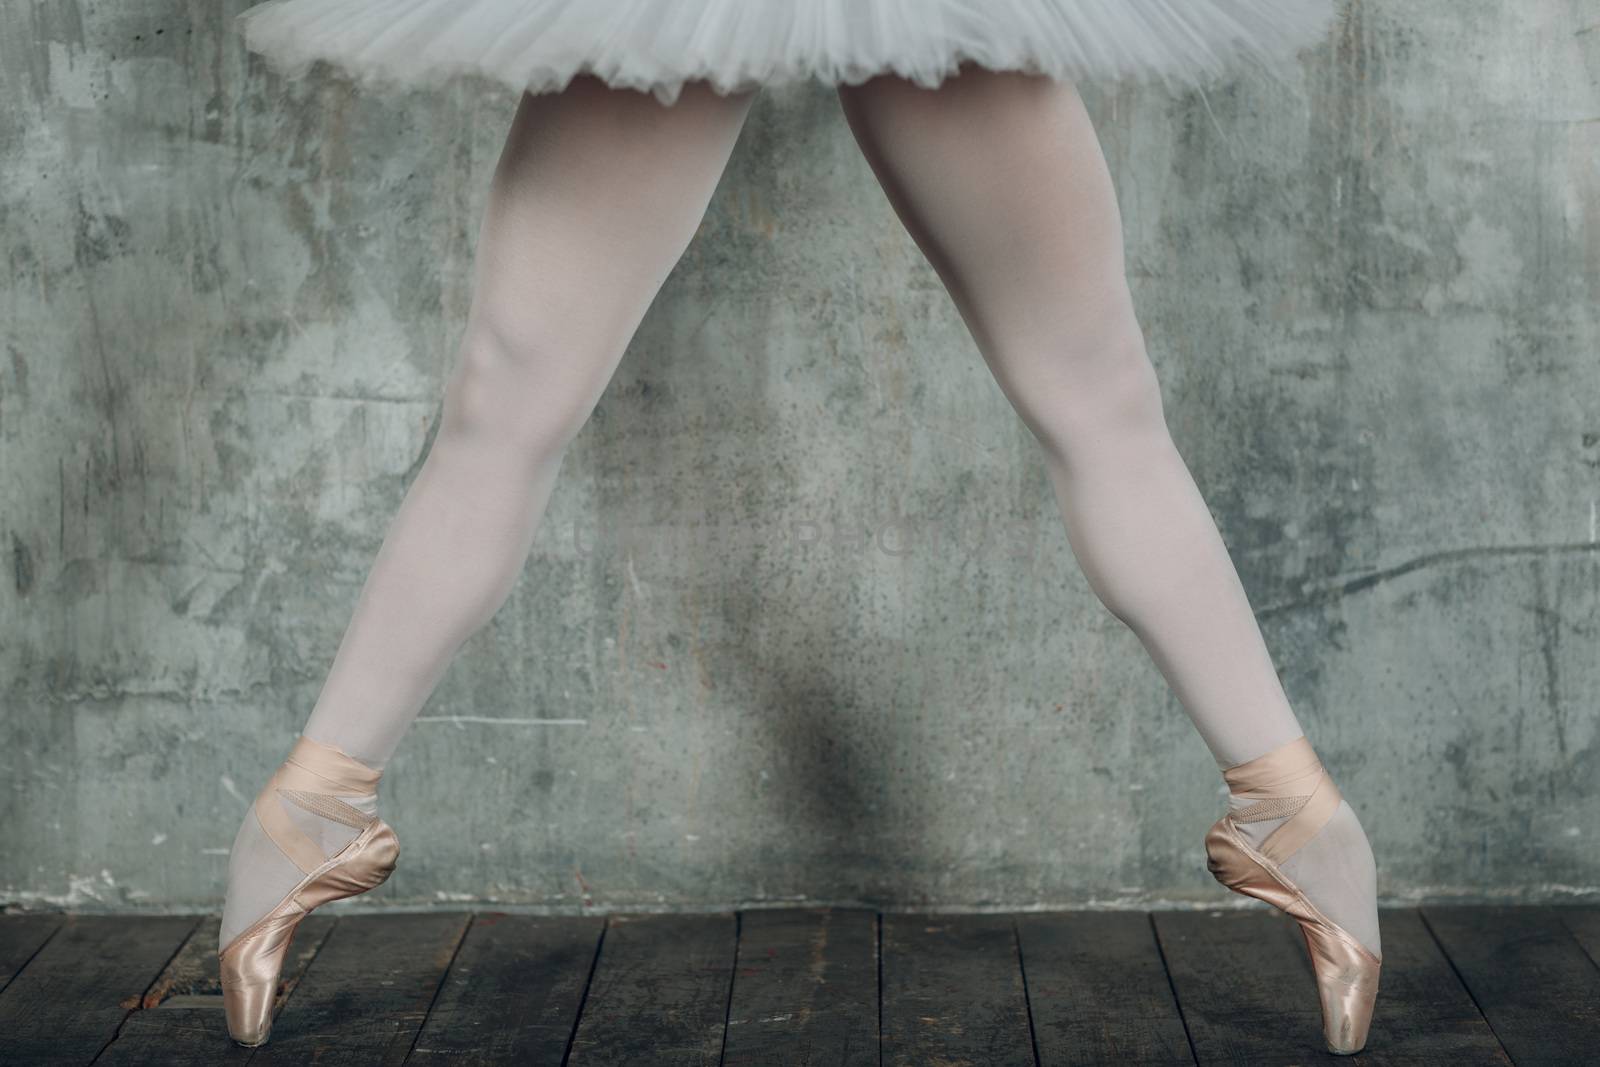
(1000, 179)
(596, 193)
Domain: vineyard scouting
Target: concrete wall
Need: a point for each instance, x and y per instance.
(803, 591)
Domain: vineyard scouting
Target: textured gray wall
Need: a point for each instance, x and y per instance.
(230, 310)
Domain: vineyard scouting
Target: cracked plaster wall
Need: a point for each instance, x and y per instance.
(802, 611)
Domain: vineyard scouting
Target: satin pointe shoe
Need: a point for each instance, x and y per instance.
(313, 777)
(1290, 781)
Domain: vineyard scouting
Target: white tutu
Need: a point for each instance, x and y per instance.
(657, 45)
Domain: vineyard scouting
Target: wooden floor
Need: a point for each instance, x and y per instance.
(828, 987)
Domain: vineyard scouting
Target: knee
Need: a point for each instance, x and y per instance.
(531, 396)
(1101, 391)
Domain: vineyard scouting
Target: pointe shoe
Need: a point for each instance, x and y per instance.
(313, 777)
(1290, 781)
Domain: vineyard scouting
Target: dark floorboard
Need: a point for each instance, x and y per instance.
(1584, 925)
(1530, 977)
(513, 993)
(952, 992)
(1247, 992)
(1424, 1014)
(366, 994)
(21, 936)
(659, 992)
(67, 1002)
(1099, 991)
(188, 996)
(1461, 986)
(1244, 986)
(805, 990)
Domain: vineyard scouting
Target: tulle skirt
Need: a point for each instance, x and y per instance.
(656, 46)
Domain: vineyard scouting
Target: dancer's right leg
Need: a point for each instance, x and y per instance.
(596, 194)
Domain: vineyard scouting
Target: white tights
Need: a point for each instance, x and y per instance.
(1000, 179)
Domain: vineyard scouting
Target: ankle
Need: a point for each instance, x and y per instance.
(344, 749)
(1287, 807)
(1280, 799)
(1338, 872)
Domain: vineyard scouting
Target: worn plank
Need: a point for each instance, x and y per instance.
(1244, 986)
(183, 1022)
(1583, 923)
(1424, 1015)
(1098, 990)
(193, 1037)
(1248, 994)
(68, 1001)
(805, 990)
(952, 992)
(365, 995)
(512, 995)
(1534, 982)
(22, 935)
(659, 993)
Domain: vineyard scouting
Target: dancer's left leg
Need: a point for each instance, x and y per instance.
(1000, 179)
